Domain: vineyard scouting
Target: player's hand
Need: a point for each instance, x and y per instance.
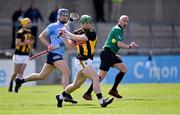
(50, 47)
(133, 44)
(62, 32)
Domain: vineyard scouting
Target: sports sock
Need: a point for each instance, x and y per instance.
(101, 101)
(64, 94)
(23, 81)
(61, 96)
(89, 91)
(100, 97)
(11, 83)
(118, 79)
(11, 86)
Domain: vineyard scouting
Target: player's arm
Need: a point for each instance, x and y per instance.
(68, 43)
(123, 45)
(44, 39)
(74, 37)
(127, 46)
(118, 36)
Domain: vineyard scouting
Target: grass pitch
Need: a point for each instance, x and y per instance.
(137, 99)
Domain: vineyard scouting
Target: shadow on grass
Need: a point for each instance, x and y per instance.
(139, 99)
(80, 104)
(71, 105)
(43, 91)
(86, 105)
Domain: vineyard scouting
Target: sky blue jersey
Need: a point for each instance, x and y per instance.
(52, 31)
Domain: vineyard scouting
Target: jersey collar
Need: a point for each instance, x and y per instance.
(120, 27)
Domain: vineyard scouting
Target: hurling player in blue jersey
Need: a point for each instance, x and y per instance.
(49, 37)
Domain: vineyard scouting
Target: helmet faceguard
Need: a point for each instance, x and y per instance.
(63, 12)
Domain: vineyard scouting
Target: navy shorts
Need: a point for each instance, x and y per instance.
(52, 57)
(108, 59)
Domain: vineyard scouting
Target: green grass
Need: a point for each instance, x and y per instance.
(138, 99)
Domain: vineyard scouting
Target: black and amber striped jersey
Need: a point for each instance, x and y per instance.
(23, 35)
(86, 50)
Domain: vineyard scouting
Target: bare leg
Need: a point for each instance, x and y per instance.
(62, 66)
(21, 71)
(45, 72)
(91, 74)
(87, 95)
(16, 71)
(69, 89)
(80, 78)
(102, 74)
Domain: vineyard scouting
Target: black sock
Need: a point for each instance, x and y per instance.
(22, 81)
(89, 91)
(99, 95)
(64, 94)
(11, 83)
(118, 79)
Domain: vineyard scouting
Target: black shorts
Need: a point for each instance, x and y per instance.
(52, 57)
(108, 59)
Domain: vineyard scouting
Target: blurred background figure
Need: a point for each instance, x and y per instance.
(23, 42)
(115, 9)
(53, 14)
(34, 14)
(99, 10)
(150, 63)
(16, 17)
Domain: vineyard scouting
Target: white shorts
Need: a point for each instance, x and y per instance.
(80, 64)
(20, 59)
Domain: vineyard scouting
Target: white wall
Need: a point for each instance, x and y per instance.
(6, 70)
